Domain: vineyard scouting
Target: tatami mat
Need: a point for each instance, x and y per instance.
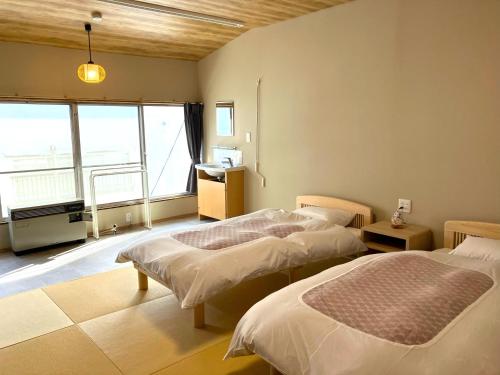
(209, 362)
(67, 351)
(145, 338)
(27, 315)
(101, 294)
(123, 330)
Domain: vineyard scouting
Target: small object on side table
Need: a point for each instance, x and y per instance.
(397, 220)
(381, 236)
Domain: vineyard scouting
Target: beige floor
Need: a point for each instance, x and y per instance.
(102, 324)
(101, 294)
(28, 315)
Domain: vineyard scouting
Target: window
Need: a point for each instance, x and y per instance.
(36, 155)
(45, 157)
(109, 137)
(168, 157)
(225, 118)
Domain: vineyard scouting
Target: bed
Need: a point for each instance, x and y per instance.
(200, 263)
(411, 312)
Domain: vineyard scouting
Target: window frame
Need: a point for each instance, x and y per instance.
(76, 146)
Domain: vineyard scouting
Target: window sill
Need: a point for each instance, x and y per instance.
(108, 206)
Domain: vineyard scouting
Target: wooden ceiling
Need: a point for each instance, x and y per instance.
(139, 32)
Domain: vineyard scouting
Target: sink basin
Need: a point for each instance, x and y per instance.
(217, 170)
(214, 170)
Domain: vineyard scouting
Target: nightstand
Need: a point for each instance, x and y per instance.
(381, 236)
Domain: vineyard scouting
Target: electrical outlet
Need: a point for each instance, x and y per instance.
(128, 218)
(405, 204)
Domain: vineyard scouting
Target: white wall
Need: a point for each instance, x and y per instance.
(50, 72)
(370, 101)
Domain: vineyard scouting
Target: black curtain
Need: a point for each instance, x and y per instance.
(193, 114)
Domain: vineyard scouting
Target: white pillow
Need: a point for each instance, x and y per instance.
(479, 248)
(330, 215)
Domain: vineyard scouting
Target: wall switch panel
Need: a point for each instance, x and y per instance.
(405, 204)
(248, 137)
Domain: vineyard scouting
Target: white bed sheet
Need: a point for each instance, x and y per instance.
(195, 275)
(297, 339)
(355, 231)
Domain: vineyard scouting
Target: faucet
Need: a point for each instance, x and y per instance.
(228, 161)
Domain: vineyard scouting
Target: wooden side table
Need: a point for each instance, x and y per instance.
(380, 236)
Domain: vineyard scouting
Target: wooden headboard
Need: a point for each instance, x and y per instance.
(456, 231)
(364, 214)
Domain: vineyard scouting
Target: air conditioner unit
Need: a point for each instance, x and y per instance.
(41, 226)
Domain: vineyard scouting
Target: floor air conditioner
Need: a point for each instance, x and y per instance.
(40, 226)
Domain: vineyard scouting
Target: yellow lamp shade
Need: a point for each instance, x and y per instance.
(91, 73)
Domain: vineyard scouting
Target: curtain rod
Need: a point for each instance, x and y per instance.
(89, 100)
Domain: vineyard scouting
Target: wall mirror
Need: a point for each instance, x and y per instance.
(225, 118)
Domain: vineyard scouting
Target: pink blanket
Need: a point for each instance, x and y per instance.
(403, 298)
(238, 232)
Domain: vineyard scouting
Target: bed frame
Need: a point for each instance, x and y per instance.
(455, 232)
(364, 216)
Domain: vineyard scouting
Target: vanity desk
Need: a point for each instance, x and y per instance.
(221, 196)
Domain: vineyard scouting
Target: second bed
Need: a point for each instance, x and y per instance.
(200, 263)
(411, 312)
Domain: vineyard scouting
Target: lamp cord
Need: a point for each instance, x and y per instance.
(90, 51)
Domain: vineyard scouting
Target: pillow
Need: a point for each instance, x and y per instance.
(479, 248)
(330, 215)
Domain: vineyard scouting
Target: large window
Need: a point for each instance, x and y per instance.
(168, 157)
(110, 138)
(45, 157)
(36, 155)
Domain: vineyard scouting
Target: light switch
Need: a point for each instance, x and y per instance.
(405, 204)
(248, 137)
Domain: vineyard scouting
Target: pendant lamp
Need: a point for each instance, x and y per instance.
(90, 72)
